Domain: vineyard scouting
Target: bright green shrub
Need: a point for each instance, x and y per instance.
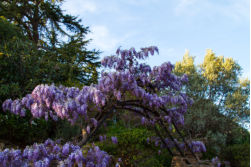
(132, 146)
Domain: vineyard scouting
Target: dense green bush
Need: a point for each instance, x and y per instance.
(235, 150)
(23, 131)
(238, 155)
(132, 146)
(66, 132)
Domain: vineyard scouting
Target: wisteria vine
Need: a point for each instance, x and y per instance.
(50, 152)
(125, 84)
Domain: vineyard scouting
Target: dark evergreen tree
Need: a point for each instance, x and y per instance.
(32, 51)
(59, 35)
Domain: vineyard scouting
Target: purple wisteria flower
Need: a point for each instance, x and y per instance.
(143, 120)
(197, 146)
(66, 149)
(128, 84)
(42, 155)
(216, 161)
(88, 129)
(114, 140)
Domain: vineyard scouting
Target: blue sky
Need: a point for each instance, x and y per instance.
(172, 25)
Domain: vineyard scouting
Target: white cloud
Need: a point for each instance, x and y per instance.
(89, 6)
(140, 2)
(103, 39)
(184, 5)
(235, 10)
(78, 7)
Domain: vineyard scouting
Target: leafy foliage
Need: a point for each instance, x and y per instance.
(238, 154)
(217, 79)
(41, 20)
(133, 148)
(44, 24)
(31, 53)
(221, 101)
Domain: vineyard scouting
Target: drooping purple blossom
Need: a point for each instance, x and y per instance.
(197, 146)
(148, 140)
(216, 161)
(114, 140)
(95, 156)
(127, 80)
(42, 155)
(101, 139)
(143, 120)
(66, 149)
(94, 122)
(88, 130)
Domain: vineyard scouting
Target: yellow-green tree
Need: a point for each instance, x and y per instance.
(217, 79)
(221, 99)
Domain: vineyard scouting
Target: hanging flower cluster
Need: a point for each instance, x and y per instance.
(130, 77)
(96, 157)
(197, 146)
(153, 93)
(216, 161)
(49, 152)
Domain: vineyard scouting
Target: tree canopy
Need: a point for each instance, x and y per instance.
(221, 100)
(217, 79)
(57, 54)
(60, 36)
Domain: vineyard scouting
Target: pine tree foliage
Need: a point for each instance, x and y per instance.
(61, 37)
(39, 43)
